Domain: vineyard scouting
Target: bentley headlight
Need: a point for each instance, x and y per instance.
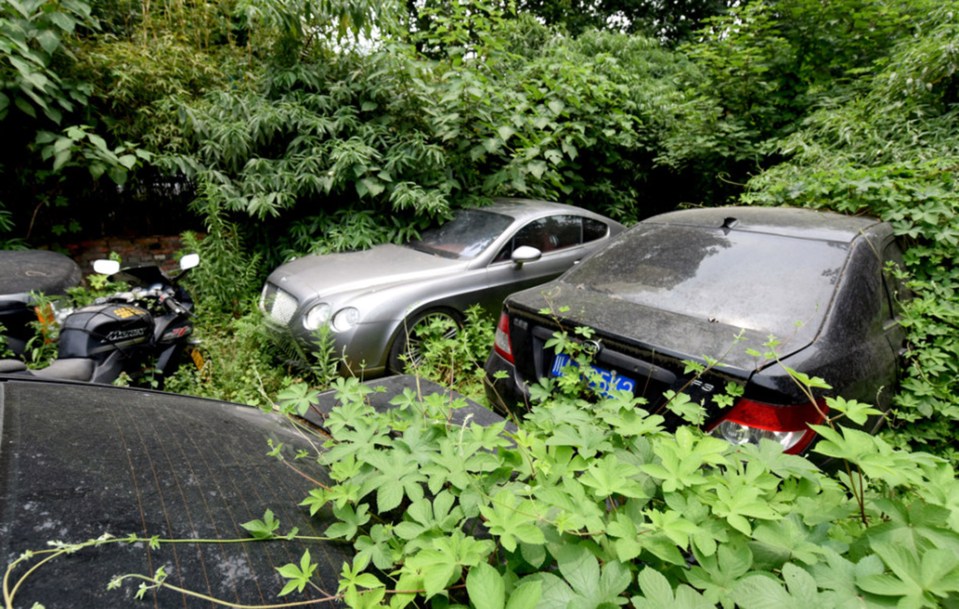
(317, 316)
(345, 319)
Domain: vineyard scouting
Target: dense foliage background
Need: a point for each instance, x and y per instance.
(281, 127)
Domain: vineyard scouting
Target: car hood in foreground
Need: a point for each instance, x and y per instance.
(379, 267)
(81, 461)
(675, 334)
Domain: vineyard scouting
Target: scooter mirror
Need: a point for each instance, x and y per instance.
(189, 261)
(106, 267)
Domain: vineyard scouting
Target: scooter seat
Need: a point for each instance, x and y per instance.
(74, 369)
(12, 365)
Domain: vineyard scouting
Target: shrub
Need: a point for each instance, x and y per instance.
(455, 356)
(240, 363)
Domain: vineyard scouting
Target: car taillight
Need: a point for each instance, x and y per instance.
(501, 343)
(748, 421)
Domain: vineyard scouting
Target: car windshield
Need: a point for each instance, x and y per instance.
(464, 237)
(761, 282)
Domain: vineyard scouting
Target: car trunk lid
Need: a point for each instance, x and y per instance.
(654, 362)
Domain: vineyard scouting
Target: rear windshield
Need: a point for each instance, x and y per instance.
(748, 280)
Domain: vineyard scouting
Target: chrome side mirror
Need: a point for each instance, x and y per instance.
(524, 254)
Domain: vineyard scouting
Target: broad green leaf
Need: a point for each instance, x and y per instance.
(377, 547)
(662, 547)
(536, 168)
(505, 132)
(513, 520)
(609, 476)
(62, 158)
(298, 575)
(857, 412)
(350, 521)
(25, 107)
(658, 594)
(763, 592)
(791, 539)
(100, 144)
(490, 145)
(526, 595)
(49, 40)
(63, 144)
(579, 568)
(591, 585)
(672, 525)
(128, 160)
(62, 20)
(916, 579)
(555, 591)
(369, 186)
(681, 460)
(263, 529)
(717, 574)
(486, 587)
(838, 576)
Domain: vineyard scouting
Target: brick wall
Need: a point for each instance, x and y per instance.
(161, 250)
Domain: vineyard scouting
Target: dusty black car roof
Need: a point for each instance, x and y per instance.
(78, 461)
(785, 221)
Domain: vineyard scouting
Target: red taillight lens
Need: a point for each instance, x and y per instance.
(749, 421)
(501, 343)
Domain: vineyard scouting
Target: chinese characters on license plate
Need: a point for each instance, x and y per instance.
(608, 380)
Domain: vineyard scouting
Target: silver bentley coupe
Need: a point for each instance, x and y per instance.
(373, 302)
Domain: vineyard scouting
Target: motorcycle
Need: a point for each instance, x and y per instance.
(148, 327)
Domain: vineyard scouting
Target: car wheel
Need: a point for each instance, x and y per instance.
(407, 349)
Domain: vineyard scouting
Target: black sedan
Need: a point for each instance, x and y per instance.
(746, 292)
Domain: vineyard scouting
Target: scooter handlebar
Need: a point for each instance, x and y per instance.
(173, 304)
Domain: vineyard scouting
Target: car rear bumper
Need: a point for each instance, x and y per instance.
(506, 393)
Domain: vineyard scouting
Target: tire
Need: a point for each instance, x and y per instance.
(406, 348)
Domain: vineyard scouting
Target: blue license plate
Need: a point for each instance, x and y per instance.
(608, 380)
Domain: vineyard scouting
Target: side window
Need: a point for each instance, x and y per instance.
(568, 230)
(593, 230)
(534, 234)
(546, 235)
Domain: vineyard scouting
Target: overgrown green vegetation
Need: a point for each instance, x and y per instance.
(888, 149)
(279, 131)
(593, 504)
